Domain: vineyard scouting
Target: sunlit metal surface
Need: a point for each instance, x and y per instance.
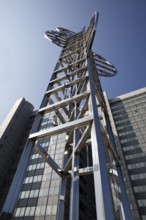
(60, 36)
(103, 66)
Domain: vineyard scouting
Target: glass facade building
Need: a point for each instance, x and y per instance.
(40, 191)
(128, 116)
(39, 195)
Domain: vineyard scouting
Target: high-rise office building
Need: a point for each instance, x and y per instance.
(69, 168)
(128, 119)
(14, 132)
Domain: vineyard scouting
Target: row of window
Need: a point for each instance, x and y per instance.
(35, 156)
(36, 166)
(30, 194)
(137, 155)
(123, 120)
(140, 188)
(33, 179)
(134, 125)
(132, 120)
(46, 126)
(47, 141)
(117, 105)
(58, 159)
(36, 211)
(118, 116)
(140, 112)
(40, 193)
(124, 126)
(117, 109)
(131, 147)
(137, 118)
(50, 119)
(41, 185)
(136, 165)
(126, 133)
(128, 139)
(133, 101)
(45, 177)
(130, 112)
(138, 176)
(142, 203)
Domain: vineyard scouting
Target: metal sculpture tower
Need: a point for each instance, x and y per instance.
(75, 95)
(74, 107)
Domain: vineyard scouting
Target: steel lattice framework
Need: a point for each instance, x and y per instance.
(75, 90)
(83, 103)
(76, 86)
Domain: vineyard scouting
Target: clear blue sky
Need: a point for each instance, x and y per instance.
(27, 59)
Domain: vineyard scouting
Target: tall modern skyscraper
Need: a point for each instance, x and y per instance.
(69, 168)
(128, 119)
(14, 132)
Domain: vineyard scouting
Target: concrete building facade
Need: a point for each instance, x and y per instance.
(14, 132)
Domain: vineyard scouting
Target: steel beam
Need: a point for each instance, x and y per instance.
(63, 103)
(74, 194)
(79, 146)
(103, 196)
(60, 215)
(67, 85)
(63, 127)
(48, 159)
(65, 76)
